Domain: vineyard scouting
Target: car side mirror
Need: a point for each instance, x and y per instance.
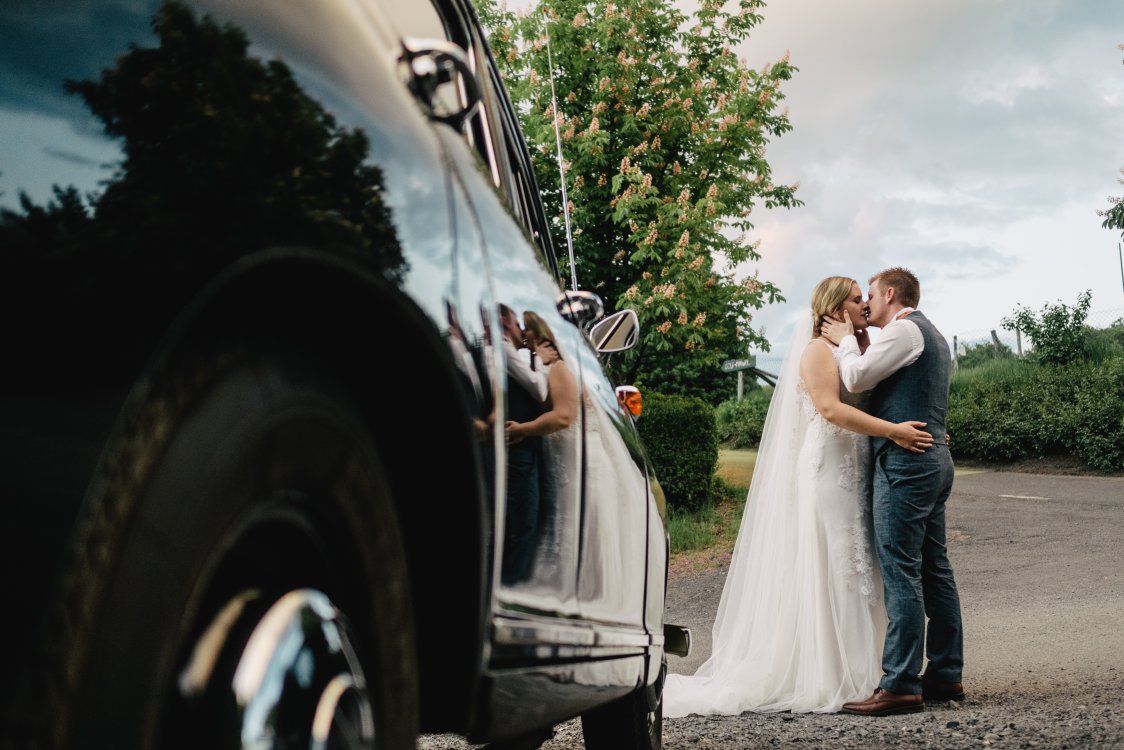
(616, 333)
(580, 307)
(439, 75)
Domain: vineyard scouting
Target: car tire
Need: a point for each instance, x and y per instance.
(252, 474)
(634, 722)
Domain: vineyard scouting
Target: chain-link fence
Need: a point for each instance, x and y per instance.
(1018, 342)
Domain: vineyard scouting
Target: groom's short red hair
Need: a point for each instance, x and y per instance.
(903, 282)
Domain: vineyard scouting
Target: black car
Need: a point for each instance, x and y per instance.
(259, 485)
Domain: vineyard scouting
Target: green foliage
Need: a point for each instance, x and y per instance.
(1114, 216)
(992, 415)
(1058, 332)
(716, 523)
(1014, 409)
(1100, 416)
(692, 529)
(1102, 344)
(975, 355)
(733, 495)
(740, 422)
(664, 134)
(680, 436)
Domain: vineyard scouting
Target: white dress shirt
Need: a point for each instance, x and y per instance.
(519, 369)
(899, 345)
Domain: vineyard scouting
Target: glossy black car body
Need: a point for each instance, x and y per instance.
(255, 480)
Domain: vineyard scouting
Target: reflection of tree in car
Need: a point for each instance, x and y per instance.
(223, 154)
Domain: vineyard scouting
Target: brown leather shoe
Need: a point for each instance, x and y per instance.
(936, 690)
(885, 703)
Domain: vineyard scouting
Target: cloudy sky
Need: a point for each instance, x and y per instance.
(971, 141)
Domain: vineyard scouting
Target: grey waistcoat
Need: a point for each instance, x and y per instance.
(918, 391)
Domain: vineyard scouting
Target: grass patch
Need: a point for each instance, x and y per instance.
(693, 530)
(735, 465)
(714, 527)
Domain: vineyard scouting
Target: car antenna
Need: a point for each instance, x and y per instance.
(561, 164)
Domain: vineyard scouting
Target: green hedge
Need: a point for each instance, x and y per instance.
(740, 422)
(1013, 409)
(680, 436)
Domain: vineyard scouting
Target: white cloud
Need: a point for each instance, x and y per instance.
(1004, 88)
(972, 141)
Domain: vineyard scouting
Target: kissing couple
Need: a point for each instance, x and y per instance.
(841, 556)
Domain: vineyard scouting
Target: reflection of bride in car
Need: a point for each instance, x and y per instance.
(558, 428)
(562, 397)
(609, 471)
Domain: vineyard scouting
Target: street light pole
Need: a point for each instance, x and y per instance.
(1120, 254)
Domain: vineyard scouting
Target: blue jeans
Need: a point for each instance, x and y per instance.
(910, 492)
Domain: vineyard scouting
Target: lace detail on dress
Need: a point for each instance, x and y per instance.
(813, 416)
(843, 458)
(862, 558)
(848, 474)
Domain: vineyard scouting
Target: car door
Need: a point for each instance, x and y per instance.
(618, 516)
(539, 579)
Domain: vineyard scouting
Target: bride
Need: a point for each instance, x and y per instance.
(800, 624)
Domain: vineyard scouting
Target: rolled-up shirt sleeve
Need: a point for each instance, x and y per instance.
(900, 344)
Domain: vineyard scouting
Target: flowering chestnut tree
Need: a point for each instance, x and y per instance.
(663, 133)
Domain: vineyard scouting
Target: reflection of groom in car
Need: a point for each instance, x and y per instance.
(526, 392)
(908, 368)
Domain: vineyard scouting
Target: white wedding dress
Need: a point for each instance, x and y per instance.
(801, 623)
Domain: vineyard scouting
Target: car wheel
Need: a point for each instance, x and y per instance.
(243, 525)
(634, 722)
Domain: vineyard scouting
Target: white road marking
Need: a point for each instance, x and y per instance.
(1025, 497)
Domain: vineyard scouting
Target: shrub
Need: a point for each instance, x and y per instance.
(680, 435)
(1058, 332)
(1098, 437)
(1010, 410)
(1102, 344)
(740, 422)
(975, 355)
(984, 419)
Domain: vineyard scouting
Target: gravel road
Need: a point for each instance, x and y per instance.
(1038, 562)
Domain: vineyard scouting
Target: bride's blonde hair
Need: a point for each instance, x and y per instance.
(828, 298)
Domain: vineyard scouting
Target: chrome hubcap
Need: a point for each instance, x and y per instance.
(285, 677)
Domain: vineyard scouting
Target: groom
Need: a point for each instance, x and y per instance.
(908, 370)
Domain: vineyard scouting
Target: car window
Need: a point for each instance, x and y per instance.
(493, 130)
(514, 175)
